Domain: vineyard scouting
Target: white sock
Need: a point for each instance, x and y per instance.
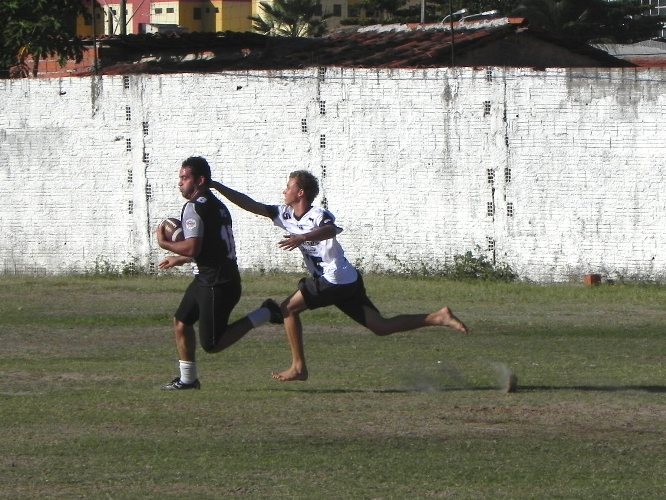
(259, 316)
(188, 372)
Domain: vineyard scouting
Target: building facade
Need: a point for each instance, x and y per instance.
(198, 16)
(658, 9)
(166, 16)
(156, 16)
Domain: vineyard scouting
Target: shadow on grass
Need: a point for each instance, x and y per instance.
(595, 388)
(657, 389)
(406, 390)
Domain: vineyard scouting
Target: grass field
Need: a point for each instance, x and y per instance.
(413, 415)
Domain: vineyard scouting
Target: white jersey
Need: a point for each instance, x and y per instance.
(323, 258)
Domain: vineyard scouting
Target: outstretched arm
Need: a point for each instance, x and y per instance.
(321, 233)
(240, 199)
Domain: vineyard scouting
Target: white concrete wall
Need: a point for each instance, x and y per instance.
(405, 158)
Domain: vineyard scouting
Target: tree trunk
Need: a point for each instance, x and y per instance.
(35, 66)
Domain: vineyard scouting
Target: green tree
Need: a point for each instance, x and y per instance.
(38, 28)
(436, 10)
(504, 7)
(627, 22)
(591, 20)
(621, 21)
(385, 10)
(558, 16)
(292, 18)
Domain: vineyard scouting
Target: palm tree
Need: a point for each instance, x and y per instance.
(292, 18)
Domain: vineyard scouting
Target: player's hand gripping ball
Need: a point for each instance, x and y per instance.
(173, 230)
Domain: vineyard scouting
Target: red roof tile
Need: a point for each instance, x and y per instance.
(404, 46)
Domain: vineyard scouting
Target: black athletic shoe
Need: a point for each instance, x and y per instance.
(177, 385)
(276, 312)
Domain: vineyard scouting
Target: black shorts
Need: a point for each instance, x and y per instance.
(349, 298)
(211, 306)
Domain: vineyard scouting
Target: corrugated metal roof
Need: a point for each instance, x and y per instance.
(650, 53)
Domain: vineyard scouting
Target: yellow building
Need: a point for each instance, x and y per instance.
(143, 16)
(84, 26)
(207, 16)
(167, 15)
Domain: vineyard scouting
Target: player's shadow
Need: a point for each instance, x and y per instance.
(346, 391)
(404, 390)
(656, 389)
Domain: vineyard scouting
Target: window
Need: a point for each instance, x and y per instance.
(337, 10)
(196, 13)
(158, 10)
(170, 10)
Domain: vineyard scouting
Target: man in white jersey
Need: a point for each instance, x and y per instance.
(333, 280)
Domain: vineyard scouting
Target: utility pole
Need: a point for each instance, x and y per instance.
(123, 17)
(93, 4)
(453, 58)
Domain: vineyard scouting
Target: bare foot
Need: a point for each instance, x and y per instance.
(291, 375)
(445, 317)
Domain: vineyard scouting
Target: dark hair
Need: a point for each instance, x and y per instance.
(307, 182)
(199, 167)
